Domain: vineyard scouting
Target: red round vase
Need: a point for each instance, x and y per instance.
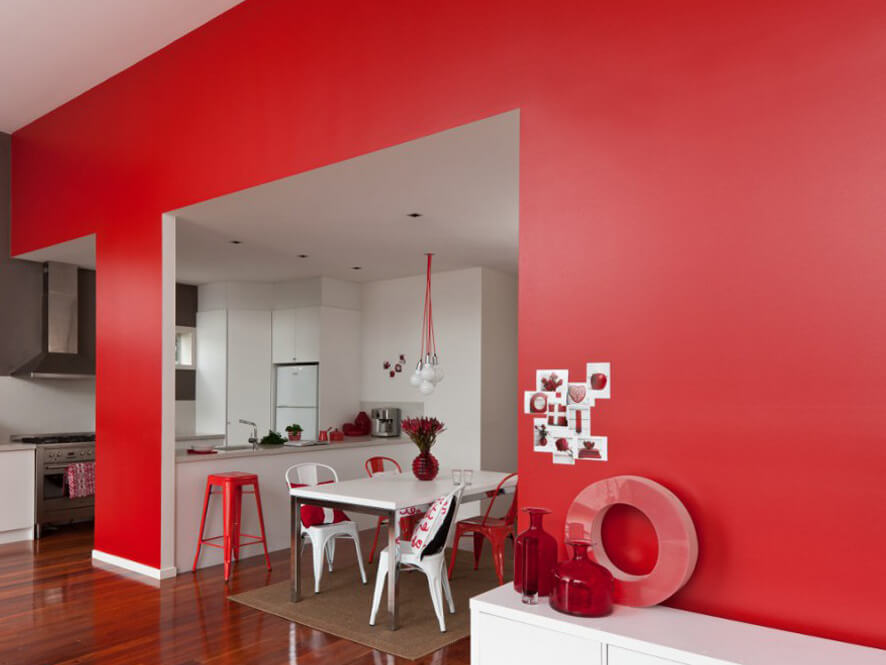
(582, 587)
(425, 466)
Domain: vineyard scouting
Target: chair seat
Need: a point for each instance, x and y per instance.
(493, 522)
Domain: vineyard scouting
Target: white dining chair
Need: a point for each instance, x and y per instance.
(323, 536)
(431, 564)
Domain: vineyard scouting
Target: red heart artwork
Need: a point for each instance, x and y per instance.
(577, 393)
(598, 381)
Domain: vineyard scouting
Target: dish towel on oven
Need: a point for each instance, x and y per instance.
(81, 479)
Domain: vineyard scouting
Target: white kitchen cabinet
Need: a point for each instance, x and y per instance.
(16, 495)
(340, 354)
(211, 390)
(249, 373)
(296, 335)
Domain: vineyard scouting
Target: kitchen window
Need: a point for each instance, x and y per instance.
(185, 347)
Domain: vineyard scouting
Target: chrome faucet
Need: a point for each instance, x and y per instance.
(254, 438)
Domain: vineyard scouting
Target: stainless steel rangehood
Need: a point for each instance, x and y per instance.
(60, 356)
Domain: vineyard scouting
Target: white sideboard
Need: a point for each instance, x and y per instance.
(504, 631)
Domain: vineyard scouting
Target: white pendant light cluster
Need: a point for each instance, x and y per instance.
(428, 372)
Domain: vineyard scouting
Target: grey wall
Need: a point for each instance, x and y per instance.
(185, 315)
(21, 291)
(21, 285)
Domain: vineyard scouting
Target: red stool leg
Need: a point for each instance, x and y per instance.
(236, 512)
(261, 523)
(226, 520)
(202, 524)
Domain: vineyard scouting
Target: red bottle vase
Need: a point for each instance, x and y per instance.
(425, 466)
(582, 587)
(535, 555)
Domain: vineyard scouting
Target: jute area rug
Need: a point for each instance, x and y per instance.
(343, 604)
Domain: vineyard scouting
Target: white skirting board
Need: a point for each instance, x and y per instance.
(504, 631)
(133, 566)
(15, 535)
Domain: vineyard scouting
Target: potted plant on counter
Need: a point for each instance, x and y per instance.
(423, 433)
(272, 438)
(294, 431)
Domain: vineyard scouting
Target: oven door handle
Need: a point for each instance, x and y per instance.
(57, 467)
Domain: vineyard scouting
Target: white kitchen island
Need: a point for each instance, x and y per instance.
(269, 464)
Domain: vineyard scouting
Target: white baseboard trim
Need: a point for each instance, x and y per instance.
(16, 535)
(134, 566)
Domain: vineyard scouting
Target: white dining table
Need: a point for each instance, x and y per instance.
(383, 495)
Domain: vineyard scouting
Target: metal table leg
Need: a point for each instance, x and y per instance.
(295, 549)
(393, 569)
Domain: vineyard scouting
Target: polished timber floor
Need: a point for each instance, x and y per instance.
(56, 608)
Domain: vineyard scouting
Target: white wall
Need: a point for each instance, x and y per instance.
(500, 400)
(392, 311)
(33, 406)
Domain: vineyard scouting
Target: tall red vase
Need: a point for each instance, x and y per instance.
(581, 586)
(425, 466)
(535, 555)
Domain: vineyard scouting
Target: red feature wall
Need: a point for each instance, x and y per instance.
(701, 204)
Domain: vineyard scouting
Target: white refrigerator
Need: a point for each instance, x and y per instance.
(296, 398)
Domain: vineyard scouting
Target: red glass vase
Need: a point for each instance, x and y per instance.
(535, 555)
(425, 466)
(581, 586)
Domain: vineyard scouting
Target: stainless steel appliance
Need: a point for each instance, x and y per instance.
(53, 455)
(386, 422)
(296, 398)
(62, 353)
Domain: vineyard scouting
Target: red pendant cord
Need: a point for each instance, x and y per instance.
(428, 339)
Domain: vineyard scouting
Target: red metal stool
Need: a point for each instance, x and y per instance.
(231, 485)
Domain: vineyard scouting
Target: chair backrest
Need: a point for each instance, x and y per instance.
(380, 464)
(456, 504)
(308, 473)
(511, 515)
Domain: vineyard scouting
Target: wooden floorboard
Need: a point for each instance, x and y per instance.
(57, 609)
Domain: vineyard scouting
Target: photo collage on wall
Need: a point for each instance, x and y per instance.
(561, 414)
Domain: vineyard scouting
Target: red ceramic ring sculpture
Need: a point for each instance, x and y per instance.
(677, 540)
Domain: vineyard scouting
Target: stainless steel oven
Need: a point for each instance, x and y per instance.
(55, 452)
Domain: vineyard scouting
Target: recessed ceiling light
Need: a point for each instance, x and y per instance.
(236, 242)
(357, 268)
(414, 214)
(302, 256)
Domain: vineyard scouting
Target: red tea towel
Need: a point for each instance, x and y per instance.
(81, 479)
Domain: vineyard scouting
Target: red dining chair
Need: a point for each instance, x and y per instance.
(495, 529)
(379, 465)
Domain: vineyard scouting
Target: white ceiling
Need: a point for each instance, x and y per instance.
(53, 50)
(463, 181)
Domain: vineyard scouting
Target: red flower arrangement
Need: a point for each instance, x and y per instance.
(423, 431)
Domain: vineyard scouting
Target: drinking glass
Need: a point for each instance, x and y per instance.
(468, 475)
(456, 477)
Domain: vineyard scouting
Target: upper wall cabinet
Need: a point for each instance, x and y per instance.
(296, 335)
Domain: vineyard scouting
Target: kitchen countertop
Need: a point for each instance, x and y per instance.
(15, 445)
(182, 457)
(198, 437)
